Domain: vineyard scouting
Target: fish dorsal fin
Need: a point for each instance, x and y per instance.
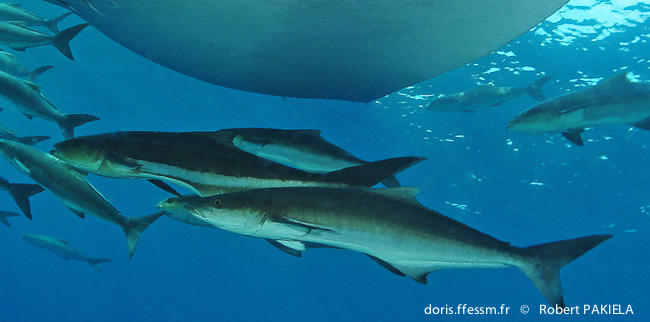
(33, 86)
(309, 132)
(617, 80)
(405, 194)
(644, 124)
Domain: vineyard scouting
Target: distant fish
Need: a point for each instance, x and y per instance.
(486, 95)
(14, 12)
(4, 215)
(616, 100)
(27, 97)
(9, 64)
(79, 195)
(21, 192)
(61, 248)
(29, 140)
(306, 150)
(388, 225)
(15, 35)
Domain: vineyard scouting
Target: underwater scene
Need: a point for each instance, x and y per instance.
(244, 160)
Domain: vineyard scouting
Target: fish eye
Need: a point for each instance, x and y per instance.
(218, 203)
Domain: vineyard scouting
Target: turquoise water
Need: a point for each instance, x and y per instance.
(525, 189)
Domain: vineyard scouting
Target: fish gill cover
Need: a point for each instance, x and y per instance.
(522, 188)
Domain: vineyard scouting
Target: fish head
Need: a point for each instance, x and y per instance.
(34, 239)
(226, 211)
(548, 117)
(84, 153)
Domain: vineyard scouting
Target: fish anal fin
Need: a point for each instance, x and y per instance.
(418, 274)
(291, 247)
(644, 124)
(405, 194)
(387, 266)
(29, 116)
(78, 213)
(574, 137)
(164, 186)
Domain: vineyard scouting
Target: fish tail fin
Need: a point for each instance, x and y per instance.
(94, 262)
(371, 173)
(546, 260)
(33, 140)
(534, 90)
(62, 39)
(70, 121)
(21, 193)
(53, 24)
(134, 227)
(38, 71)
(391, 182)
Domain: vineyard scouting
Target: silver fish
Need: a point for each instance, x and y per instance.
(15, 35)
(61, 248)
(14, 12)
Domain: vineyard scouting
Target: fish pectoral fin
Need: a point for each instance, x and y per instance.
(387, 266)
(122, 161)
(164, 186)
(29, 116)
(291, 247)
(78, 213)
(574, 137)
(644, 125)
(300, 227)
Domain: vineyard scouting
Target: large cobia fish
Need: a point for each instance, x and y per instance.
(15, 35)
(616, 100)
(27, 97)
(349, 50)
(14, 12)
(306, 150)
(201, 162)
(486, 95)
(21, 192)
(61, 248)
(72, 188)
(387, 225)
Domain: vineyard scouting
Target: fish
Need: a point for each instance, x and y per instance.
(613, 101)
(29, 140)
(72, 188)
(486, 95)
(15, 35)
(9, 64)
(388, 225)
(6, 214)
(62, 249)
(345, 50)
(27, 97)
(306, 149)
(14, 12)
(21, 192)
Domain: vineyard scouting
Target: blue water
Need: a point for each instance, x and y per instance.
(526, 189)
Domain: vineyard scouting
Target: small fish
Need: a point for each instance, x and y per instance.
(14, 12)
(613, 101)
(27, 97)
(9, 64)
(29, 140)
(388, 225)
(6, 214)
(21, 192)
(61, 248)
(72, 188)
(15, 35)
(486, 95)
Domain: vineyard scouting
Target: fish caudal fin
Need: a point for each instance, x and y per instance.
(38, 71)
(33, 140)
(546, 260)
(62, 40)
(370, 174)
(134, 228)
(53, 24)
(70, 121)
(21, 193)
(534, 90)
(94, 262)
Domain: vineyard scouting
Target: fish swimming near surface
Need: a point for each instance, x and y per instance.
(9, 64)
(21, 192)
(486, 95)
(616, 100)
(14, 12)
(6, 214)
(29, 140)
(15, 35)
(306, 150)
(386, 224)
(61, 248)
(293, 49)
(72, 188)
(27, 97)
